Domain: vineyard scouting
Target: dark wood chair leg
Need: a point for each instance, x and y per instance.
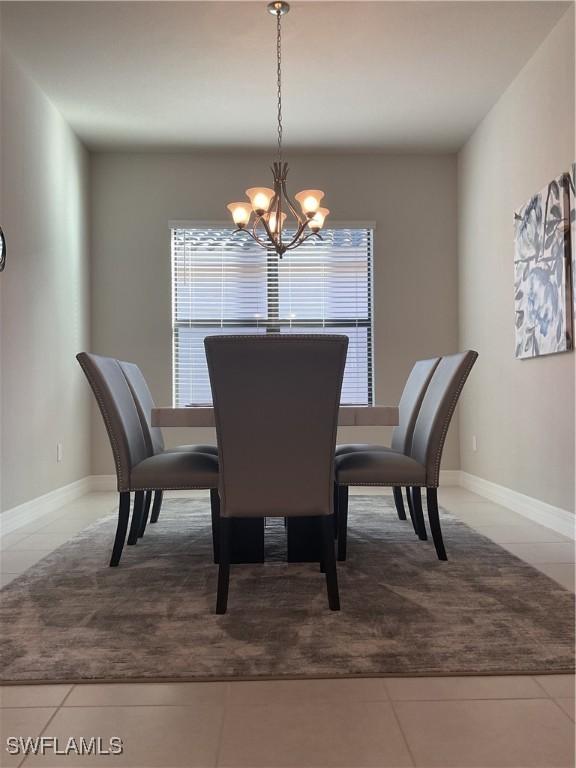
(156, 506)
(411, 510)
(397, 491)
(121, 528)
(329, 562)
(145, 513)
(434, 518)
(335, 508)
(224, 566)
(418, 513)
(136, 517)
(342, 521)
(215, 509)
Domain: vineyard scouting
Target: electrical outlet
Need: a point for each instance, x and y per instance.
(58, 452)
(474, 443)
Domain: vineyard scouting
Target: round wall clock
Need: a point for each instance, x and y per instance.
(2, 250)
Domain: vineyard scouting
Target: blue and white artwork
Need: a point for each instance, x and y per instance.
(542, 267)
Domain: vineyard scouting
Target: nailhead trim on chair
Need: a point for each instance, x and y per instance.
(435, 480)
(391, 485)
(175, 488)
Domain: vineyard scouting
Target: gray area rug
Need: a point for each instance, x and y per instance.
(72, 618)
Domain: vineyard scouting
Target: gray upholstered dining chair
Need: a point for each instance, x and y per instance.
(276, 400)
(137, 469)
(422, 467)
(409, 407)
(153, 435)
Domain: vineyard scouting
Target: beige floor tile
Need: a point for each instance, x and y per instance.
(485, 734)
(332, 733)
(307, 691)
(10, 539)
(454, 494)
(69, 524)
(545, 552)
(563, 573)
(146, 694)
(485, 513)
(152, 736)
(558, 686)
(567, 705)
(33, 695)
(438, 688)
(27, 529)
(21, 722)
(18, 561)
(519, 534)
(43, 541)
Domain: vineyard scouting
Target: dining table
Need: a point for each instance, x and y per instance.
(303, 534)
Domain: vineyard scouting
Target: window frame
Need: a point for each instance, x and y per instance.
(255, 323)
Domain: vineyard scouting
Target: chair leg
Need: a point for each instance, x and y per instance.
(434, 518)
(418, 513)
(224, 566)
(411, 510)
(335, 508)
(329, 562)
(156, 506)
(145, 513)
(215, 509)
(136, 517)
(342, 521)
(397, 491)
(122, 527)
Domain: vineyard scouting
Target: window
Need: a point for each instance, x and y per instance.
(224, 283)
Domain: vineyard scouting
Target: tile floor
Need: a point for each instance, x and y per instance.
(484, 722)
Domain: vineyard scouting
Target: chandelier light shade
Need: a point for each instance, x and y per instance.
(272, 207)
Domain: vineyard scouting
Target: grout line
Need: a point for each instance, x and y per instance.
(404, 737)
(225, 707)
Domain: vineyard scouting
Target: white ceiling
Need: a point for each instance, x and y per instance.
(358, 76)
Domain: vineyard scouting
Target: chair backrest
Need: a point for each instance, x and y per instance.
(437, 409)
(276, 400)
(144, 403)
(119, 412)
(410, 402)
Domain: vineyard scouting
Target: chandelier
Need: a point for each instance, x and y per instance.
(272, 206)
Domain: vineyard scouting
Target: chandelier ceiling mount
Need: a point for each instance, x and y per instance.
(271, 207)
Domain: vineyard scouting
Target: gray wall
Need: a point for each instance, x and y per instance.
(44, 305)
(522, 412)
(412, 199)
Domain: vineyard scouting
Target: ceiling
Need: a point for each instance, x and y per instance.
(358, 76)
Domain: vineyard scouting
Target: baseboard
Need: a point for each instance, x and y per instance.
(556, 518)
(15, 518)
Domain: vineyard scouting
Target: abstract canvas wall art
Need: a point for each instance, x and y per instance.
(572, 198)
(542, 285)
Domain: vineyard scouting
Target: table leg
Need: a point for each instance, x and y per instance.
(304, 539)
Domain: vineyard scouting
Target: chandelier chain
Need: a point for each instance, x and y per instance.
(279, 81)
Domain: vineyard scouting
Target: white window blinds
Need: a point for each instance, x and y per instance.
(224, 283)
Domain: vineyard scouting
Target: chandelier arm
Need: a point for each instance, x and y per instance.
(291, 206)
(298, 235)
(268, 231)
(303, 240)
(246, 232)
